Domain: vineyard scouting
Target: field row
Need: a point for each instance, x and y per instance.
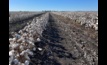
(88, 19)
(22, 43)
(20, 16)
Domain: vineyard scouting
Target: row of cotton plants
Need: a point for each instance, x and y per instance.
(19, 16)
(22, 43)
(89, 19)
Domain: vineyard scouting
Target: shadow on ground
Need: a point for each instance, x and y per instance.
(51, 45)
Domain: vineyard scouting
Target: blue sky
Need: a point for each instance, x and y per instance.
(57, 5)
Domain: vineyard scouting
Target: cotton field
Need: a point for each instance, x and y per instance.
(53, 38)
(89, 19)
(19, 16)
(23, 42)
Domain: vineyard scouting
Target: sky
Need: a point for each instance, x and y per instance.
(56, 5)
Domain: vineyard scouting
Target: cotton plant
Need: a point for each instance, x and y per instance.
(19, 16)
(23, 42)
(20, 51)
(82, 18)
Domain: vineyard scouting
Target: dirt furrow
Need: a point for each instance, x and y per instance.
(76, 39)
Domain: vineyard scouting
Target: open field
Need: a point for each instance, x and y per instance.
(53, 38)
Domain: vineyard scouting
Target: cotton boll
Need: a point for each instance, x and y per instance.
(21, 47)
(32, 45)
(27, 23)
(38, 39)
(26, 56)
(17, 55)
(14, 39)
(23, 52)
(27, 30)
(96, 28)
(24, 44)
(29, 52)
(10, 47)
(15, 61)
(31, 39)
(14, 46)
(11, 53)
(96, 23)
(12, 42)
(24, 35)
(30, 42)
(29, 26)
(26, 62)
(19, 40)
(23, 41)
(20, 31)
(10, 39)
(40, 49)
